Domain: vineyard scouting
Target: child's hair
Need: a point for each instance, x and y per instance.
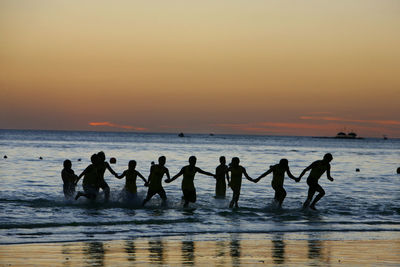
(235, 161)
(132, 164)
(67, 164)
(284, 162)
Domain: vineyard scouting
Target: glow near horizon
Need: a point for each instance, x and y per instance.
(255, 67)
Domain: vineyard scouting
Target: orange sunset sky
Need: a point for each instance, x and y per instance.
(241, 67)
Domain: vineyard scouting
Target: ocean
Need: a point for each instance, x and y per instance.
(357, 205)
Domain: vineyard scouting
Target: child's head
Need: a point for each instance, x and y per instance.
(328, 157)
(67, 164)
(235, 161)
(162, 160)
(95, 159)
(102, 156)
(284, 162)
(132, 164)
(192, 160)
(222, 160)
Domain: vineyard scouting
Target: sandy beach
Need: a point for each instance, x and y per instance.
(234, 252)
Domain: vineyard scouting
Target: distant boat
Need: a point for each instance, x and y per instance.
(351, 135)
(181, 135)
(385, 137)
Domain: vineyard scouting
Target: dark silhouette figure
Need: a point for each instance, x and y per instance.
(317, 169)
(156, 249)
(130, 183)
(220, 173)
(235, 184)
(91, 179)
(102, 169)
(278, 171)
(188, 172)
(95, 253)
(188, 252)
(398, 170)
(69, 179)
(157, 172)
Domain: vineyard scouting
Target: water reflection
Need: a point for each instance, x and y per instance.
(130, 249)
(278, 249)
(220, 252)
(235, 251)
(67, 253)
(94, 253)
(188, 251)
(156, 249)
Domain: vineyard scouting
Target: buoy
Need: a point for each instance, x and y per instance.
(79, 159)
(5, 156)
(357, 170)
(113, 160)
(40, 158)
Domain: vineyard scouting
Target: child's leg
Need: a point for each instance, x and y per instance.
(280, 195)
(311, 192)
(321, 192)
(163, 197)
(150, 194)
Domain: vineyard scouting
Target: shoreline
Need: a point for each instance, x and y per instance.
(231, 250)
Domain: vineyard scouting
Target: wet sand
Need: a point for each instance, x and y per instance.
(226, 252)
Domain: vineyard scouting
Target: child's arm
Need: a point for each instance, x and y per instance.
(328, 173)
(120, 176)
(291, 175)
(227, 176)
(304, 171)
(175, 177)
(141, 176)
(82, 174)
(111, 170)
(205, 173)
(246, 175)
(263, 175)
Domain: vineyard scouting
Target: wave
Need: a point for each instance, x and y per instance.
(97, 223)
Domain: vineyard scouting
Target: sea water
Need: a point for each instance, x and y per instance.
(357, 205)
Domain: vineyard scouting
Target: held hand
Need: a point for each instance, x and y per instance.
(330, 179)
(146, 184)
(167, 181)
(297, 180)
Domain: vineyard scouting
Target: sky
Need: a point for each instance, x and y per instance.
(308, 68)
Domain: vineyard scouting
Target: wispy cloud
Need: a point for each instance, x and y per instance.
(119, 126)
(339, 119)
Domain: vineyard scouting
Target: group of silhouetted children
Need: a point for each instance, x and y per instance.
(93, 179)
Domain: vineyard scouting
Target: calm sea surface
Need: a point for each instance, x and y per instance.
(357, 205)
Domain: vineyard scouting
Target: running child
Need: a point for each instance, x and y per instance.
(221, 172)
(317, 170)
(130, 183)
(69, 179)
(188, 172)
(235, 184)
(278, 175)
(157, 172)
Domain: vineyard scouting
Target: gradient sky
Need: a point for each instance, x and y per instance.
(253, 67)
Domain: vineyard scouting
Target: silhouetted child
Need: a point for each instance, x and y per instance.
(91, 179)
(69, 179)
(103, 165)
(317, 169)
(188, 172)
(157, 172)
(130, 183)
(278, 175)
(220, 173)
(235, 184)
